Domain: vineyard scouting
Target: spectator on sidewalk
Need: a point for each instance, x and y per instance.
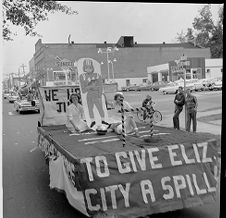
(191, 110)
(179, 102)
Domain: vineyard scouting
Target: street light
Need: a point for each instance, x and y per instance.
(107, 51)
(112, 67)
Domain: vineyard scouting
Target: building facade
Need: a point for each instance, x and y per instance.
(198, 68)
(214, 68)
(126, 65)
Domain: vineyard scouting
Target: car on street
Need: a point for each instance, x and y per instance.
(169, 89)
(216, 86)
(24, 105)
(202, 85)
(157, 85)
(6, 93)
(13, 97)
(172, 87)
(134, 88)
(144, 87)
(130, 88)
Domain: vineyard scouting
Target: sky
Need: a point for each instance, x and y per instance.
(97, 22)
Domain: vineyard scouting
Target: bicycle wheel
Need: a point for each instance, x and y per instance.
(157, 116)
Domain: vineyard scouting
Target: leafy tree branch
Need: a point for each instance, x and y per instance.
(28, 13)
(205, 33)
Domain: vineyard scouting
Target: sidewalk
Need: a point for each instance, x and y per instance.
(212, 126)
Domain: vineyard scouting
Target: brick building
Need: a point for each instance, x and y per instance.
(131, 59)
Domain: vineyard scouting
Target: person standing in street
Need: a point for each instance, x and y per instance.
(191, 106)
(179, 102)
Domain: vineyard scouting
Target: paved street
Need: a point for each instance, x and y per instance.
(25, 174)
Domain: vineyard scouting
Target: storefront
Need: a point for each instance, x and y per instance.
(172, 71)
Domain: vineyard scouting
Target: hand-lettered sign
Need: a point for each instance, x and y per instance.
(54, 102)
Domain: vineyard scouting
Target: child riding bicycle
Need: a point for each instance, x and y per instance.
(148, 105)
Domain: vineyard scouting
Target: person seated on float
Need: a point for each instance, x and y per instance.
(75, 115)
(115, 112)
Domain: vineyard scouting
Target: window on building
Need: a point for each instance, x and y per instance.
(165, 76)
(194, 74)
(188, 75)
(155, 77)
(127, 82)
(144, 80)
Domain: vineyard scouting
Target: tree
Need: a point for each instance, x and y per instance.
(217, 38)
(205, 33)
(204, 26)
(28, 13)
(185, 37)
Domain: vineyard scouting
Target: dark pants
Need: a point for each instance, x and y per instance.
(176, 123)
(191, 116)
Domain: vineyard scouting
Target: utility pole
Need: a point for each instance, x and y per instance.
(184, 63)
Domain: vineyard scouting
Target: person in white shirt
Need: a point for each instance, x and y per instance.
(75, 115)
(130, 124)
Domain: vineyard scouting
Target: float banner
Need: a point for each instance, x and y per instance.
(54, 102)
(150, 180)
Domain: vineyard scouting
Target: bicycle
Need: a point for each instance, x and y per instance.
(145, 116)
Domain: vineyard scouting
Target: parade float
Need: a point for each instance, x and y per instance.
(114, 175)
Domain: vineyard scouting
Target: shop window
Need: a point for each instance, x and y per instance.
(154, 77)
(188, 75)
(127, 82)
(165, 76)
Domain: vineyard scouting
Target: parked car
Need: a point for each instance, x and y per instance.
(201, 85)
(124, 89)
(6, 93)
(216, 85)
(134, 88)
(169, 89)
(13, 97)
(24, 105)
(172, 87)
(144, 87)
(157, 85)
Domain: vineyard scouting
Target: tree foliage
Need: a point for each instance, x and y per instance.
(205, 33)
(28, 13)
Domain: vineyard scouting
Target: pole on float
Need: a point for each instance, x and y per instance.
(123, 124)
